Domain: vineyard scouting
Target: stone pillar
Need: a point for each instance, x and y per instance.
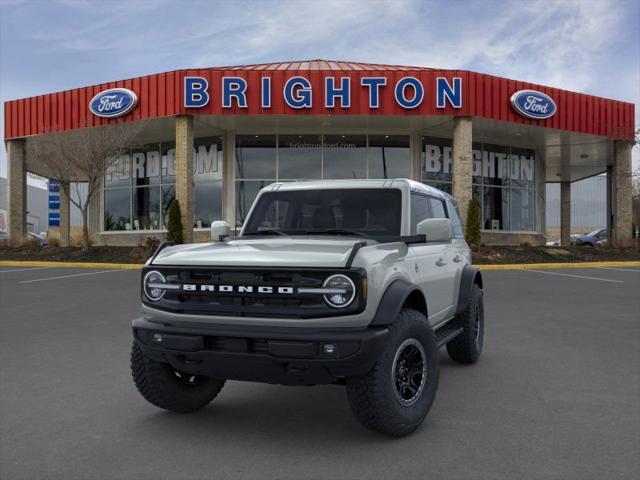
(462, 163)
(65, 216)
(565, 213)
(184, 173)
(228, 179)
(621, 235)
(16, 191)
(610, 200)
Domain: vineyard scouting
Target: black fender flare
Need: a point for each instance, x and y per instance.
(470, 276)
(392, 301)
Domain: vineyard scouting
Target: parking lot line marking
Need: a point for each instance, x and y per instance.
(24, 269)
(621, 269)
(69, 276)
(576, 276)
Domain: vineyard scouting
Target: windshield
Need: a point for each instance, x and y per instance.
(364, 212)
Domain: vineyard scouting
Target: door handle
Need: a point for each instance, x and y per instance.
(457, 259)
(441, 262)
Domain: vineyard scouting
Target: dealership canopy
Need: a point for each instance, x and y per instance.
(473, 134)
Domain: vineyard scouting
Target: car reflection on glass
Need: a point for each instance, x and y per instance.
(591, 239)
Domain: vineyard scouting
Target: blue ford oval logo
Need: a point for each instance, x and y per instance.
(533, 104)
(114, 102)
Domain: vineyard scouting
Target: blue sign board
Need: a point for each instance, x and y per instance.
(533, 104)
(54, 219)
(54, 187)
(114, 102)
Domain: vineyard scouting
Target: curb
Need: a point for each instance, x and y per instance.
(550, 266)
(510, 266)
(29, 263)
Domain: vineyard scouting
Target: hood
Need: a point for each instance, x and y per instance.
(262, 252)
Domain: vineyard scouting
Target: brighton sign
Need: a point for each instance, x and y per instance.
(113, 103)
(533, 104)
(298, 93)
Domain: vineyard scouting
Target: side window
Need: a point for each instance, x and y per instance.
(454, 216)
(437, 208)
(419, 210)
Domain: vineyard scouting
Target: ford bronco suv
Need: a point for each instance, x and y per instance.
(351, 282)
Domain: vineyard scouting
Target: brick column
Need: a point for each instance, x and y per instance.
(462, 163)
(16, 191)
(184, 173)
(65, 215)
(228, 179)
(565, 213)
(621, 235)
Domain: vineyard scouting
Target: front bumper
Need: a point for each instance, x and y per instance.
(289, 356)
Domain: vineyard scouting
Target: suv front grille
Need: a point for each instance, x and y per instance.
(232, 302)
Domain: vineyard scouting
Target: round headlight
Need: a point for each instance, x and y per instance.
(342, 291)
(150, 283)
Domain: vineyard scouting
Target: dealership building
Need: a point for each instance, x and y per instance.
(212, 138)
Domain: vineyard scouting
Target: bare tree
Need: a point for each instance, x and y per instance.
(82, 156)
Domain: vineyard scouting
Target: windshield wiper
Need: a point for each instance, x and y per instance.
(337, 231)
(267, 231)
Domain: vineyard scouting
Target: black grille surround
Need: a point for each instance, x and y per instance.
(253, 304)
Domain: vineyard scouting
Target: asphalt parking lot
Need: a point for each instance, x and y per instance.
(555, 395)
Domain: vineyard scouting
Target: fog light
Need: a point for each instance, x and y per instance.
(329, 348)
(157, 338)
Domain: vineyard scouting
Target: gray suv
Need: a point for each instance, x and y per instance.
(355, 282)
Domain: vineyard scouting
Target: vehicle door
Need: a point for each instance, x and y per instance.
(432, 263)
(450, 261)
(462, 253)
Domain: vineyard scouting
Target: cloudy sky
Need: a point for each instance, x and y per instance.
(583, 45)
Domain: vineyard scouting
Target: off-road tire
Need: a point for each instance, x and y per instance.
(467, 347)
(373, 398)
(160, 385)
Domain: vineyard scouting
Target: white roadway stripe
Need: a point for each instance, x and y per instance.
(575, 276)
(24, 269)
(70, 276)
(621, 269)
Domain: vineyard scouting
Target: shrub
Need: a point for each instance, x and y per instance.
(174, 225)
(472, 227)
(151, 244)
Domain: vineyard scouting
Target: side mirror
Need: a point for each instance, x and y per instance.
(219, 231)
(435, 229)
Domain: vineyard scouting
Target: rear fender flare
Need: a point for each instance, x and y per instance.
(470, 276)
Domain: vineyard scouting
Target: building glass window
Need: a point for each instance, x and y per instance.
(146, 208)
(168, 195)
(389, 156)
(299, 157)
(503, 181)
(265, 159)
(117, 209)
(207, 178)
(256, 156)
(344, 156)
(118, 174)
(140, 185)
(495, 210)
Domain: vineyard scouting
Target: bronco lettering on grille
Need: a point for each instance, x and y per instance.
(191, 287)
